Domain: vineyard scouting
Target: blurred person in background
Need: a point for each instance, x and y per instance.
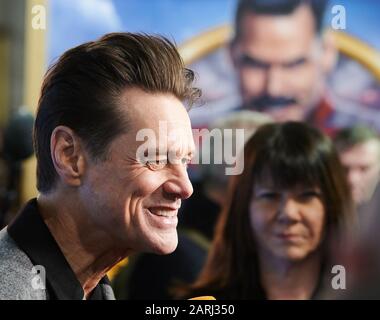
(149, 276)
(282, 58)
(359, 152)
(363, 257)
(284, 214)
(360, 258)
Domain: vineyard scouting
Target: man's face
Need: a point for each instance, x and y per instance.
(362, 163)
(280, 64)
(135, 200)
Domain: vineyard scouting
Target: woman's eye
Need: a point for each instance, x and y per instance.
(268, 195)
(307, 195)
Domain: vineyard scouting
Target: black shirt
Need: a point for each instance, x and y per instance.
(32, 235)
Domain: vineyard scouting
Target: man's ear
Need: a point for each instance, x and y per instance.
(330, 51)
(67, 154)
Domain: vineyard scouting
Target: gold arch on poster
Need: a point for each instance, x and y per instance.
(210, 40)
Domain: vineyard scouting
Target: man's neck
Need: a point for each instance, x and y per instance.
(90, 251)
(290, 280)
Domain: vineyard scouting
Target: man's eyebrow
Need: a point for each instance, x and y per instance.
(295, 62)
(254, 62)
(164, 152)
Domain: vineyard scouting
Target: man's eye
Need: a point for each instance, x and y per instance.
(156, 164)
(251, 63)
(297, 63)
(364, 168)
(186, 161)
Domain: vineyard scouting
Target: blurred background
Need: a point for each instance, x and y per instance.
(34, 33)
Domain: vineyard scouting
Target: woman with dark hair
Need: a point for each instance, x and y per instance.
(286, 210)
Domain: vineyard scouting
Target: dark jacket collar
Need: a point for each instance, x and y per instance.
(32, 235)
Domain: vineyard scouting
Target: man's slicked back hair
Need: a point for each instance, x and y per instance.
(82, 91)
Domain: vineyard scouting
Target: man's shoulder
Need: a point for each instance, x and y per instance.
(16, 272)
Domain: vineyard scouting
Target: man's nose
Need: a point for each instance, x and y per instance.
(179, 183)
(275, 82)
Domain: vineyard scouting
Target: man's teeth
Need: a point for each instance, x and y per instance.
(164, 213)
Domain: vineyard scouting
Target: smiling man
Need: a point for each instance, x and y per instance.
(99, 198)
(359, 152)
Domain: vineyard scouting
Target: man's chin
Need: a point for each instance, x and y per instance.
(166, 247)
(165, 251)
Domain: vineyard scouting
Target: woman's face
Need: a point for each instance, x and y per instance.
(287, 224)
